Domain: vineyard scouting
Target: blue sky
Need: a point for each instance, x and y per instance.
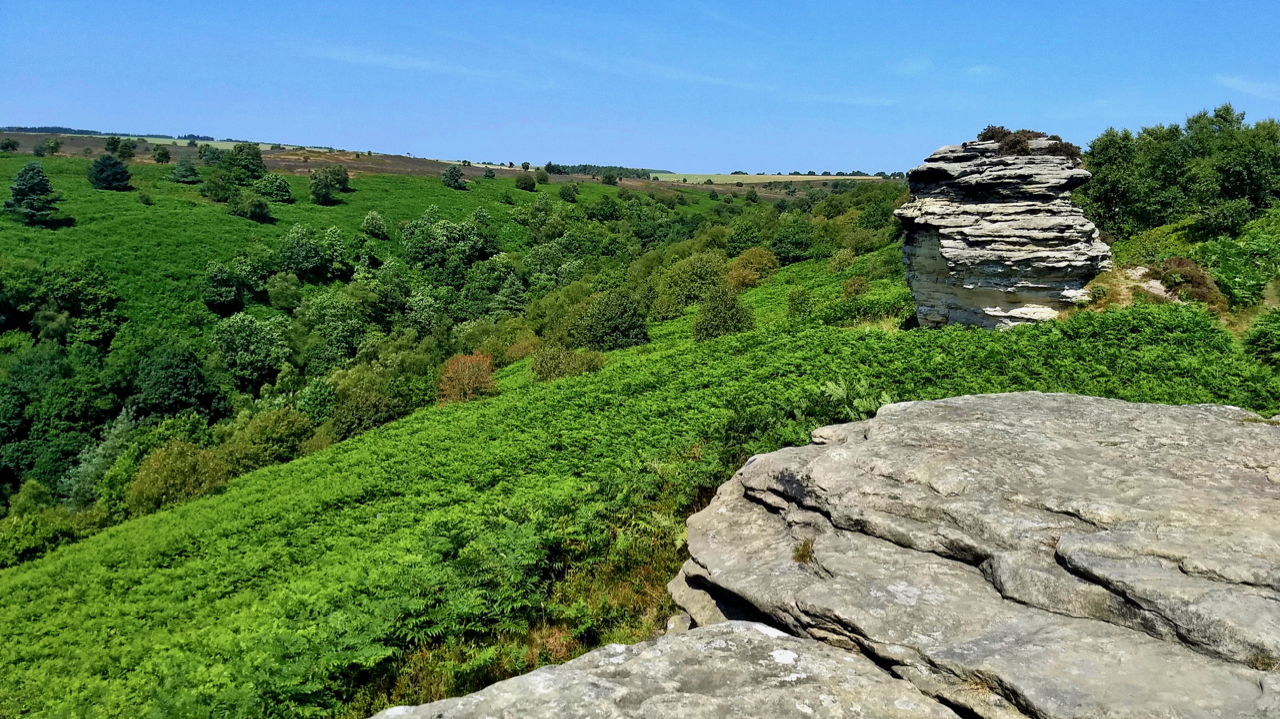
(692, 86)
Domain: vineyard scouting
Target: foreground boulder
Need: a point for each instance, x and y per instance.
(993, 240)
(1020, 554)
(736, 669)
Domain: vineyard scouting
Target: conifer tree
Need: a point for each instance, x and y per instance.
(109, 173)
(31, 195)
(160, 154)
(185, 171)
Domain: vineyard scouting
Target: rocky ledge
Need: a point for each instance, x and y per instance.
(1019, 555)
(993, 240)
(995, 556)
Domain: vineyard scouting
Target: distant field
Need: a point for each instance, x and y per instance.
(698, 179)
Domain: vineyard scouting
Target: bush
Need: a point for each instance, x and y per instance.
(244, 162)
(374, 226)
(284, 291)
(24, 537)
(690, 279)
(666, 307)
(273, 188)
(1153, 246)
(1263, 339)
(525, 181)
(541, 176)
(452, 178)
(794, 238)
(553, 361)
(612, 321)
(361, 411)
(220, 186)
(799, 303)
(125, 151)
(109, 173)
(722, 313)
(1241, 268)
(185, 171)
(569, 192)
(171, 380)
(327, 182)
(160, 154)
(855, 286)
(252, 350)
(31, 196)
(269, 438)
(751, 266)
(8, 144)
(173, 474)
(489, 174)
(467, 377)
(249, 205)
(1186, 280)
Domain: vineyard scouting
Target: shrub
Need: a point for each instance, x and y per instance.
(273, 188)
(553, 361)
(609, 178)
(1242, 268)
(173, 474)
(525, 181)
(722, 313)
(244, 162)
(842, 260)
(1153, 246)
(489, 174)
(327, 182)
(1186, 280)
(1263, 339)
(31, 196)
(994, 133)
(284, 291)
(220, 186)
(109, 173)
(24, 537)
(666, 307)
(541, 176)
(758, 259)
(269, 438)
(160, 154)
(855, 286)
(741, 277)
(249, 205)
(794, 238)
(799, 303)
(612, 321)
(452, 178)
(145, 199)
(185, 171)
(125, 151)
(8, 144)
(690, 279)
(374, 226)
(360, 411)
(569, 192)
(467, 377)
(113, 144)
(171, 380)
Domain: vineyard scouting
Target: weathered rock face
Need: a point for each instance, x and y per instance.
(993, 241)
(1019, 555)
(736, 669)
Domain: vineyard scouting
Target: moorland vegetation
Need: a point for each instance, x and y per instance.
(212, 509)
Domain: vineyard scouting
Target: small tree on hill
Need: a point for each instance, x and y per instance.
(126, 149)
(244, 162)
(374, 226)
(524, 166)
(113, 144)
(219, 186)
(452, 178)
(722, 313)
(609, 178)
(273, 188)
(489, 174)
(323, 188)
(467, 377)
(185, 171)
(612, 321)
(542, 176)
(161, 155)
(109, 173)
(249, 205)
(8, 144)
(525, 181)
(569, 192)
(31, 195)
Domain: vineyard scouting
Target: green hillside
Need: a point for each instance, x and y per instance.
(394, 443)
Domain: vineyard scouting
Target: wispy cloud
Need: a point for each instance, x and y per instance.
(911, 67)
(357, 56)
(1264, 90)
(721, 18)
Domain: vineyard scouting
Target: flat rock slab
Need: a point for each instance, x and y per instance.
(733, 669)
(1022, 554)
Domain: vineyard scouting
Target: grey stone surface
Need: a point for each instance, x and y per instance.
(1023, 554)
(994, 241)
(733, 669)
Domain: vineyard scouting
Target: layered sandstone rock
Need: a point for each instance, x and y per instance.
(994, 240)
(1048, 556)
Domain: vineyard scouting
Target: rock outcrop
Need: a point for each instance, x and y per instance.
(1021, 554)
(735, 669)
(994, 240)
(996, 556)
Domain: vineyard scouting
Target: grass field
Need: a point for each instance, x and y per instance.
(155, 255)
(698, 179)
